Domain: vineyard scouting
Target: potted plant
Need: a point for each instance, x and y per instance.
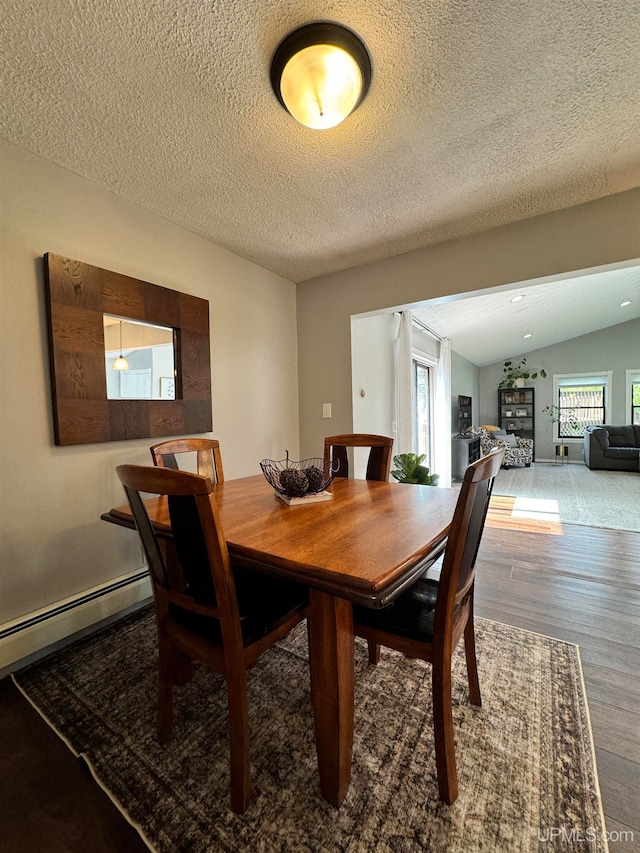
(565, 417)
(411, 470)
(516, 374)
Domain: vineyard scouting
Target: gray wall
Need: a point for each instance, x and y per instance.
(616, 348)
(465, 379)
(578, 238)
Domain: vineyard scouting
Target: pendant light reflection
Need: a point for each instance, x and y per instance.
(320, 73)
(121, 362)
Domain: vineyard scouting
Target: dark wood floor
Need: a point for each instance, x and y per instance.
(49, 802)
(576, 583)
(580, 584)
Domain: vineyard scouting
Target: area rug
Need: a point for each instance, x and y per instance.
(525, 759)
(573, 494)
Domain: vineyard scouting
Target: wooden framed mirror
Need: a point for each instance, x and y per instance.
(83, 300)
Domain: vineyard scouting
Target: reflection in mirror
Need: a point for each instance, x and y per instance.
(149, 356)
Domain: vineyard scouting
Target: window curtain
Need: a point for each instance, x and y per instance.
(442, 415)
(404, 406)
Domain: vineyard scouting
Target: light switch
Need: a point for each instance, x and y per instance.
(326, 410)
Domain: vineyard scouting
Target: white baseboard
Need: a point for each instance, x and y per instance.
(36, 631)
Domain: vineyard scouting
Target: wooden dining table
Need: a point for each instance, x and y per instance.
(363, 546)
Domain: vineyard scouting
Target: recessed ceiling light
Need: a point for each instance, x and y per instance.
(518, 298)
(625, 303)
(528, 335)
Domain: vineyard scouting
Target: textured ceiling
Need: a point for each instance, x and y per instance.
(488, 328)
(479, 113)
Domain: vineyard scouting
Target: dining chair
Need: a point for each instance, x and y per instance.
(379, 463)
(429, 619)
(209, 459)
(205, 611)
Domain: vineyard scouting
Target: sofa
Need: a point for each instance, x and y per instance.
(517, 450)
(612, 448)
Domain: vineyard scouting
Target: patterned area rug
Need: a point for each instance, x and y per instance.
(525, 759)
(573, 494)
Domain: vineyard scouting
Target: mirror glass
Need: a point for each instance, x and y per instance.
(139, 360)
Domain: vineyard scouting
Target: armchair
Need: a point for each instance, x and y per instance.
(520, 453)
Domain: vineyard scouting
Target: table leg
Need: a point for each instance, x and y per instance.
(331, 659)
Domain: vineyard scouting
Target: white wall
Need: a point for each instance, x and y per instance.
(601, 232)
(372, 366)
(616, 348)
(373, 370)
(53, 544)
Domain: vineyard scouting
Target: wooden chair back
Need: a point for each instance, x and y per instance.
(379, 463)
(458, 567)
(209, 459)
(200, 580)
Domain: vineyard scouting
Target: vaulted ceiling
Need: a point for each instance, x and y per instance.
(490, 326)
(479, 114)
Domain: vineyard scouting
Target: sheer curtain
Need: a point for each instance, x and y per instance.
(404, 405)
(442, 415)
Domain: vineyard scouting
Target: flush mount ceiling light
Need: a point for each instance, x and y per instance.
(625, 303)
(528, 335)
(517, 298)
(320, 73)
(121, 362)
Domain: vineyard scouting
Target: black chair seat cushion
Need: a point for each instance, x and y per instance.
(264, 603)
(410, 615)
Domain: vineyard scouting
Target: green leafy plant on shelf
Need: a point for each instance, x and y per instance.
(411, 470)
(515, 372)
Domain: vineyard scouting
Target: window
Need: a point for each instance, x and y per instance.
(633, 395)
(583, 400)
(423, 408)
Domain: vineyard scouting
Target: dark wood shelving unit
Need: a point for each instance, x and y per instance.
(516, 412)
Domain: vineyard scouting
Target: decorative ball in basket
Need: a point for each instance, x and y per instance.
(298, 479)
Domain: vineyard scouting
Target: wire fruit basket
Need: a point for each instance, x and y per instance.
(298, 479)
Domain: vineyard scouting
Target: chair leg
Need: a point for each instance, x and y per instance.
(374, 652)
(165, 691)
(239, 741)
(472, 665)
(443, 731)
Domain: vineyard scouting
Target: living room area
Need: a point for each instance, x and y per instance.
(576, 339)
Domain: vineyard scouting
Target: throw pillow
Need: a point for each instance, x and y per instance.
(510, 439)
(490, 428)
(499, 433)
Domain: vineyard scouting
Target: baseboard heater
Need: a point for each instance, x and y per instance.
(37, 630)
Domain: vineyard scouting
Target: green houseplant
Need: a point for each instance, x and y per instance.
(516, 374)
(411, 470)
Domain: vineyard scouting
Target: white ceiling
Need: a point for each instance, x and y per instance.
(489, 328)
(480, 113)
